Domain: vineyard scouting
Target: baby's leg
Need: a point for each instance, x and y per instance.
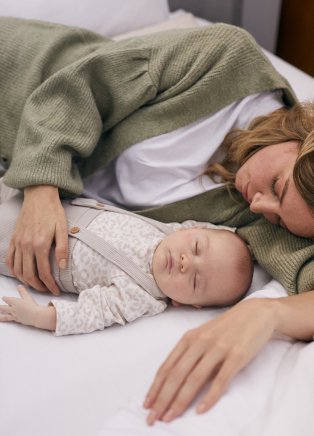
(6, 192)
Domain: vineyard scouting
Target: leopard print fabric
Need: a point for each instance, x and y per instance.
(107, 295)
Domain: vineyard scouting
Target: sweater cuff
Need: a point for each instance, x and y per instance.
(305, 278)
(55, 169)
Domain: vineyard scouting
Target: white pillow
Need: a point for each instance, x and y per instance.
(108, 17)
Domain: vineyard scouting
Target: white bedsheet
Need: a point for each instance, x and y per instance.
(272, 396)
(93, 385)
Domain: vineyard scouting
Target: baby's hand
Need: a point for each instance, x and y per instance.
(22, 310)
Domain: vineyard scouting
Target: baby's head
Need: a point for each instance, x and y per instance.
(203, 267)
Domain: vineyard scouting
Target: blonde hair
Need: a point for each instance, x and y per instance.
(282, 125)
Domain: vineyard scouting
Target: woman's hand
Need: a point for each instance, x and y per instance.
(41, 221)
(217, 350)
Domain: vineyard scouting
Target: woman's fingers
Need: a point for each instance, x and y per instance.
(61, 239)
(21, 261)
(193, 383)
(170, 400)
(218, 350)
(18, 264)
(43, 268)
(30, 272)
(220, 382)
(164, 371)
(10, 257)
(180, 378)
(28, 254)
(203, 364)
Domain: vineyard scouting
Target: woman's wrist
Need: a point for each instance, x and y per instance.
(49, 190)
(294, 315)
(265, 308)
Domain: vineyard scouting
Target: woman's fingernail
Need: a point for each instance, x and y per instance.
(168, 416)
(62, 264)
(201, 408)
(151, 417)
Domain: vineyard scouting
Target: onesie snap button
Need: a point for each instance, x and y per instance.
(74, 229)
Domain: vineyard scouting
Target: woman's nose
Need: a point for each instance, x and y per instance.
(267, 206)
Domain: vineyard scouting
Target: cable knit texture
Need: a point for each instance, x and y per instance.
(72, 100)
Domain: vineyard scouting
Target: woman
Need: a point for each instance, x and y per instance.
(84, 100)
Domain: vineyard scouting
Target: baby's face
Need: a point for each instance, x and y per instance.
(195, 266)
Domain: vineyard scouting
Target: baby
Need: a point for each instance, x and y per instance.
(124, 266)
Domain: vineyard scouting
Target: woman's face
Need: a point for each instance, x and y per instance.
(266, 182)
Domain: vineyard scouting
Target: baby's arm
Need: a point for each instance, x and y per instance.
(26, 311)
(101, 306)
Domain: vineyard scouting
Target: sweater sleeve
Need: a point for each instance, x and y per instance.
(123, 92)
(65, 116)
(286, 257)
(101, 307)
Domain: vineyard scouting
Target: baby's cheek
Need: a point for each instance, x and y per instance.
(179, 288)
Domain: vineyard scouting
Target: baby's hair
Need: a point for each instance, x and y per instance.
(244, 266)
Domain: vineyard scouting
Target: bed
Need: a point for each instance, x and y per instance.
(93, 385)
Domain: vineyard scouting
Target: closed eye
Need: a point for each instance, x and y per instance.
(194, 282)
(273, 186)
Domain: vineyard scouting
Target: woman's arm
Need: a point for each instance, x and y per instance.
(219, 349)
(41, 222)
(26, 311)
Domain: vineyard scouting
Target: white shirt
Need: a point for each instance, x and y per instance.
(166, 168)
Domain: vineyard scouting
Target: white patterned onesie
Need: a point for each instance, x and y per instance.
(107, 295)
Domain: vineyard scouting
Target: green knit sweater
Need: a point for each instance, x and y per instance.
(72, 100)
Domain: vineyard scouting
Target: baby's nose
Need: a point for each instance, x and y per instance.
(184, 263)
